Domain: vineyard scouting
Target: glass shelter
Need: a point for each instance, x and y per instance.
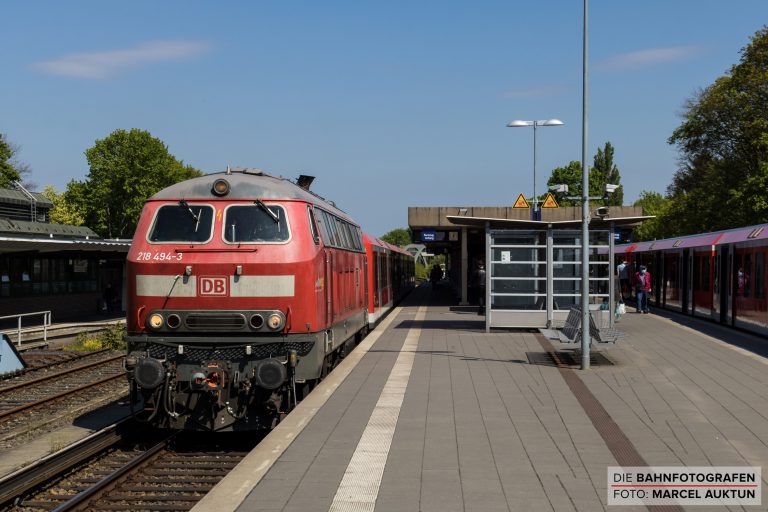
(534, 276)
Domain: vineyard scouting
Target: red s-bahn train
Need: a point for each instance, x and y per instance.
(720, 276)
(244, 291)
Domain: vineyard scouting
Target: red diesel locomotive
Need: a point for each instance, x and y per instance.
(244, 291)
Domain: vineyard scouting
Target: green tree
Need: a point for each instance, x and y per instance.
(126, 167)
(400, 237)
(723, 141)
(63, 212)
(604, 171)
(653, 203)
(8, 171)
(569, 175)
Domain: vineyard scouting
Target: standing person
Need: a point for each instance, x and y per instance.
(642, 289)
(436, 274)
(479, 281)
(109, 297)
(624, 284)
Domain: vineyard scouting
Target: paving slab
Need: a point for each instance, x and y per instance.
(480, 428)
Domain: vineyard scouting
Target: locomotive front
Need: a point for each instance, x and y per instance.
(214, 274)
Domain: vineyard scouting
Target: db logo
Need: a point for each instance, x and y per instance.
(213, 286)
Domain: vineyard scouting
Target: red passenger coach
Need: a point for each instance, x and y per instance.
(390, 276)
(244, 290)
(719, 275)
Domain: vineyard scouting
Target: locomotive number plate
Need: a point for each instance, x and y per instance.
(216, 286)
(158, 256)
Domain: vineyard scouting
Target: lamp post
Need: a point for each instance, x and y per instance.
(585, 338)
(547, 122)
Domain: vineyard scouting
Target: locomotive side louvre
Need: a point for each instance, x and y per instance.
(237, 300)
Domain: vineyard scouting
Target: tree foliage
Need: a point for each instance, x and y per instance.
(63, 212)
(603, 171)
(723, 141)
(653, 203)
(126, 167)
(400, 237)
(9, 169)
(569, 175)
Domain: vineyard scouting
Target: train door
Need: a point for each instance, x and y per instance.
(365, 282)
(728, 282)
(717, 291)
(685, 283)
(329, 308)
(377, 279)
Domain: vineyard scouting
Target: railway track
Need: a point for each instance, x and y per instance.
(26, 395)
(57, 368)
(35, 403)
(112, 471)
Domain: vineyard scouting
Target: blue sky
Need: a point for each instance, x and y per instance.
(390, 104)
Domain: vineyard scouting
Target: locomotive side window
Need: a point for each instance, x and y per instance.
(331, 225)
(258, 223)
(342, 234)
(182, 222)
(313, 226)
(336, 232)
(322, 224)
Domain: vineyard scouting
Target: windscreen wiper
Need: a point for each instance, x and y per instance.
(264, 207)
(184, 204)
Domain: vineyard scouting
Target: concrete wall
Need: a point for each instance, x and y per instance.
(435, 216)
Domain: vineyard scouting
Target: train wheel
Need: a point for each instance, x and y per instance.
(303, 390)
(326, 367)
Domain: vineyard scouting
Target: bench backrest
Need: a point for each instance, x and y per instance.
(572, 323)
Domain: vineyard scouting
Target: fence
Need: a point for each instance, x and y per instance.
(46, 323)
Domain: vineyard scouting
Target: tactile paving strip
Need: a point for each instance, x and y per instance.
(617, 442)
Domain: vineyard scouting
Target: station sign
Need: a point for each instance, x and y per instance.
(428, 235)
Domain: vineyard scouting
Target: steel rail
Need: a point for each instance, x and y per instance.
(104, 485)
(48, 353)
(22, 481)
(63, 394)
(60, 374)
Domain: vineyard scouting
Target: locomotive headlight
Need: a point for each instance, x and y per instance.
(275, 321)
(156, 321)
(220, 187)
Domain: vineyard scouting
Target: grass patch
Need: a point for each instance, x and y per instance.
(113, 338)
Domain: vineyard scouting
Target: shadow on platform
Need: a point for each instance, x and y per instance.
(733, 336)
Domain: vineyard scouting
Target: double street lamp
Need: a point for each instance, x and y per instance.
(520, 123)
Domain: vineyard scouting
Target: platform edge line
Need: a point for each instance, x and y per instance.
(230, 492)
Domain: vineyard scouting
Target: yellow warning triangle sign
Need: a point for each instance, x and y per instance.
(521, 202)
(549, 202)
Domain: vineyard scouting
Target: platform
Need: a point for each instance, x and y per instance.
(430, 413)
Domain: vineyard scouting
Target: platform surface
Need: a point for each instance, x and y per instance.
(439, 416)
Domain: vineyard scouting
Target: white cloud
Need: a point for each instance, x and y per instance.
(534, 92)
(646, 58)
(106, 64)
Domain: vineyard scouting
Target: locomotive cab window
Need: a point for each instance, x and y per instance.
(257, 223)
(182, 222)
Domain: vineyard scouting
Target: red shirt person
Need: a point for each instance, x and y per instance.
(643, 289)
